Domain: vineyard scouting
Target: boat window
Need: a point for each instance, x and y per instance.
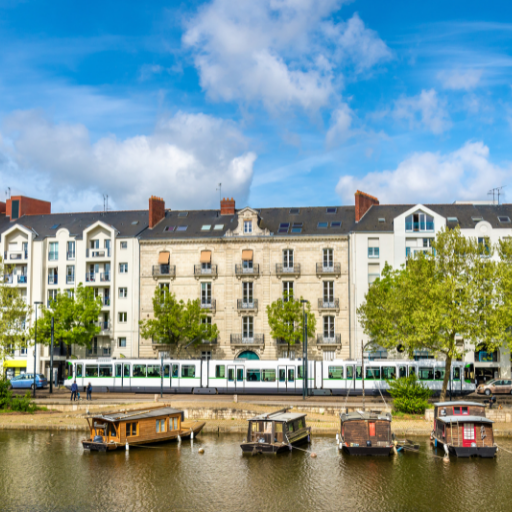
(139, 370)
(269, 375)
(160, 426)
(79, 370)
(301, 423)
(282, 375)
(350, 372)
(240, 374)
(91, 370)
(254, 375)
(255, 426)
(456, 373)
(167, 370)
(231, 374)
(153, 370)
(371, 427)
(105, 370)
(131, 429)
(412, 370)
(176, 370)
(220, 372)
(188, 371)
(336, 372)
(268, 427)
(359, 372)
(126, 370)
(389, 372)
(469, 431)
(456, 410)
(279, 428)
(173, 424)
(119, 370)
(290, 427)
(291, 374)
(402, 371)
(372, 373)
(426, 374)
(439, 374)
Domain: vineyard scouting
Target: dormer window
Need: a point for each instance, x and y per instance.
(419, 222)
(247, 226)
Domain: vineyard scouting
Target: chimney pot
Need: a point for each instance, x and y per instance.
(227, 206)
(363, 203)
(156, 211)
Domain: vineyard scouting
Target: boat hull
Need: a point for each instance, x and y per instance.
(376, 451)
(273, 448)
(465, 452)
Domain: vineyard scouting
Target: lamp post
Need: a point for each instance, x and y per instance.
(362, 366)
(305, 350)
(51, 359)
(37, 303)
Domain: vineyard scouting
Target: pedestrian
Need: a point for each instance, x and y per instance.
(74, 389)
(89, 391)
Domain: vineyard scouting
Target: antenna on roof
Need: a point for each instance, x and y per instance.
(105, 203)
(496, 192)
(219, 188)
(8, 193)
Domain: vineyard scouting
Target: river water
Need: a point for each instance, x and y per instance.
(40, 471)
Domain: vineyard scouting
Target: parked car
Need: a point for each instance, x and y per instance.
(495, 387)
(26, 381)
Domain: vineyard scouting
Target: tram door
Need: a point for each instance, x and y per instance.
(126, 379)
(235, 377)
(175, 375)
(286, 378)
(118, 376)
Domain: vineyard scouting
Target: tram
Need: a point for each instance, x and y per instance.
(244, 376)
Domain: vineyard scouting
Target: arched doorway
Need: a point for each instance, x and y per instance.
(248, 354)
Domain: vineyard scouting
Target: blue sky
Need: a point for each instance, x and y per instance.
(284, 102)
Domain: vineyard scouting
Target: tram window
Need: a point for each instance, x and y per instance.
(469, 374)
(153, 370)
(402, 371)
(336, 372)
(426, 374)
(253, 375)
(439, 374)
(350, 372)
(91, 371)
(105, 370)
(119, 370)
(240, 375)
(291, 375)
(359, 372)
(412, 370)
(269, 375)
(388, 372)
(79, 370)
(300, 372)
(175, 370)
(126, 370)
(456, 373)
(372, 373)
(220, 371)
(188, 371)
(167, 370)
(231, 374)
(282, 375)
(139, 370)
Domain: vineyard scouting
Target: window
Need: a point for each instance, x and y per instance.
(70, 253)
(94, 244)
(484, 244)
(328, 289)
(452, 219)
(206, 293)
(52, 296)
(331, 210)
(336, 372)
(372, 373)
(70, 274)
(504, 219)
(123, 268)
(426, 374)
(373, 272)
(121, 342)
(336, 224)
(154, 371)
(477, 219)
(160, 426)
(218, 227)
(254, 375)
(182, 214)
(469, 431)
(123, 317)
(54, 251)
(188, 371)
(297, 227)
(419, 222)
(220, 371)
(181, 228)
(294, 211)
(288, 259)
(91, 370)
(427, 242)
(131, 429)
(107, 243)
(382, 219)
(287, 290)
(105, 370)
(123, 245)
(373, 247)
(247, 226)
(388, 372)
(328, 328)
(269, 375)
(456, 374)
(323, 225)
(284, 227)
(139, 370)
(248, 327)
(170, 228)
(123, 293)
(206, 320)
(328, 259)
(439, 374)
(206, 227)
(247, 293)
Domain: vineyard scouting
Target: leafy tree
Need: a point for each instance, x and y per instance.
(177, 323)
(75, 318)
(286, 320)
(410, 396)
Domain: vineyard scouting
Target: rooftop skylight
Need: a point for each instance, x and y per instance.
(323, 225)
(294, 211)
(503, 218)
(218, 227)
(182, 214)
(206, 227)
(181, 228)
(284, 227)
(336, 224)
(332, 210)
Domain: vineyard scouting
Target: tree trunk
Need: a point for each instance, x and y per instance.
(447, 371)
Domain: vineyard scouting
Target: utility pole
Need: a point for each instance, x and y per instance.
(35, 350)
(161, 375)
(304, 350)
(362, 369)
(51, 360)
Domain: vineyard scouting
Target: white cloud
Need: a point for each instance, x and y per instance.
(460, 80)
(426, 109)
(341, 122)
(182, 161)
(464, 174)
(279, 52)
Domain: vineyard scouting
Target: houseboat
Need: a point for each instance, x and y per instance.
(276, 432)
(461, 428)
(131, 428)
(365, 433)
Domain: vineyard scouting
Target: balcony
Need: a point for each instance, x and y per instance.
(243, 339)
(243, 305)
(330, 340)
(70, 255)
(164, 271)
(282, 270)
(90, 277)
(97, 253)
(105, 326)
(253, 271)
(8, 278)
(106, 301)
(332, 269)
(105, 277)
(328, 304)
(70, 279)
(15, 255)
(209, 306)
(200, 271)
(22, 279)
(53, 279)
(210, 342)
(282, 343)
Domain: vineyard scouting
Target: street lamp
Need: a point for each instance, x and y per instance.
(362, 365)
(37, 303)
(304, 350)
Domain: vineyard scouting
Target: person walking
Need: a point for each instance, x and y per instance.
(89, 391)
(74, 389)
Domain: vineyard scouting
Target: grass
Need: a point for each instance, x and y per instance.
(406, 416)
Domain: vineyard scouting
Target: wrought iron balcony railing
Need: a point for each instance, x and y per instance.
(247, 339)
(328, 269)
(253, 270)
(329, 304)
(288, 270)
(331, 339)
(247, 305)
(200, 271)
(164, 271)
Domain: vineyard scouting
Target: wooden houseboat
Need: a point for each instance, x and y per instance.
(276, 432)
(365, 433)
(461, 428)
(131, 428)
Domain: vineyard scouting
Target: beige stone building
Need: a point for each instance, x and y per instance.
(239, 261)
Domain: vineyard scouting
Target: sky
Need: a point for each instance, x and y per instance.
(282, 102)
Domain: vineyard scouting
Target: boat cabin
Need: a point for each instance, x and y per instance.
(276, 432)
(365, 433)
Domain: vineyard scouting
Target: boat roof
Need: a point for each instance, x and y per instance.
(464, 419)
(138, 415)
(279, 416)
(363, 415)
(458, 402)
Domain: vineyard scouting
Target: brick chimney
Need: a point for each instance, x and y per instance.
(227, 206)
(363, 204)
(2, 207)
(156, 211)
(17, 206)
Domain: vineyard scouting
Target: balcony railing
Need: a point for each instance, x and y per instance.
(281, 342)
(254, 270)
(105, 326)
(199, 271)
(70, 279)
(208, 305)
(97, 253)
(331, 269)
(246, 339)
(329, 304)
(287, 270)
(106, 301)
(53, 256)
(247, 305)
(90, 277)
(334, 339)
(70, 255)
(22, 279)
(164, 270)
(8, 278)
(53, 279)
(15, 255)
(105, 277)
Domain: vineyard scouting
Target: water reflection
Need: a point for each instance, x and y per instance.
(39, 471)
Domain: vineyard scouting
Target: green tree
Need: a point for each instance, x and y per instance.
(177, 323)
(75, 318)
(286, 320)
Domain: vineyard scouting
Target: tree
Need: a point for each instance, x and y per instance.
(177, 323)
(75, 318)
(436, 298)
(286, 320)
(13, 314)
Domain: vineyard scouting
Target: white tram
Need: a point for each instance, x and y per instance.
(244, 376)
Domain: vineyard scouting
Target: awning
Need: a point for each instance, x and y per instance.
(15, 364)
(163, 258)
(206, 256)
(247, 255)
